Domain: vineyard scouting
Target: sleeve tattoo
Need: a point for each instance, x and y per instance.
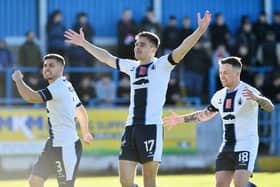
(198, 116)
(265, 104)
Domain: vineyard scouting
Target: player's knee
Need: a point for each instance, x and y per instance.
(35, 182)
(126, 182)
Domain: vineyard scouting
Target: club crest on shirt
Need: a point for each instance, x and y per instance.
(228, 104)
(142, 71)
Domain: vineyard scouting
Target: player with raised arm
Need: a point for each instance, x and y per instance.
(237, 104)
(62, 151)
(142, 140)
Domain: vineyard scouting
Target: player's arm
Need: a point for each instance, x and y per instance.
(24, 90)
(101, 54)
(82, 117)
(197, 116)
(179, 53)
(264, 102)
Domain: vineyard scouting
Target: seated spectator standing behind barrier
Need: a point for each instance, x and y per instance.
(105, 91)
(77, 56)
(149, 23)
(123, 91)
(173, 91)
(261, 28)
(86, 90)
(55, 38)
(127, 29)
(82, 21)
(170, 36)
(195, 73)
(219, 32)
(6, 60)
(186, 30)
(276, 24)
(30, 56)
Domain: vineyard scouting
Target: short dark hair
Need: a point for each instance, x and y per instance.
(152, 37)
(233, 60)
(57, 57)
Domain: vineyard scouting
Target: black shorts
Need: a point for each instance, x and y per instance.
(230, 161)
(61, 161)
(142, 143)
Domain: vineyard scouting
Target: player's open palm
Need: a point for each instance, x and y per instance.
(73, 37)
(172, 120)
(204, 22)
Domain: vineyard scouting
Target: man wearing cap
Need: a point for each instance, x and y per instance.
(62, 151)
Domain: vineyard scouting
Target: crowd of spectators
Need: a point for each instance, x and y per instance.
(257, 42)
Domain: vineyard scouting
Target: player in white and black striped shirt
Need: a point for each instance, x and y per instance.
(143, 136)
(62, 151)
(237, 104)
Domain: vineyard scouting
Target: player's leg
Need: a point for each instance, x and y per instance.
(149, 172)
(149, 145)
(241, 178)
(223, 178)
(67, 159)
(36, 181)
(244, 166)
(42, 167)
(224, 169)
(128, 158)
(127, 172)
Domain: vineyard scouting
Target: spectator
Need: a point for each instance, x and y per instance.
(170, 36)
(55, 36)
(269, 51)
(173, 91)
(81, 58)
(196, 65)
(6, 60)
(245, 36)
(276, 24)
(106, 91)
(123, 90)
(261, 28)
(219, 32)
(149, 23)
(186, 30)
(86, 90)
(30, 56)
(127, 30)
(82, 21)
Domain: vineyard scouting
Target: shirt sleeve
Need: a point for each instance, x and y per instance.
(166, 62)
(45, 94)
(125, 65)
(213, 104)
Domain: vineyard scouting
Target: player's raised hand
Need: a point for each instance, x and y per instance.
(73, 37)
(204, 22)
(248, 94)
(87, 137)
(172, 120)
(17, 75)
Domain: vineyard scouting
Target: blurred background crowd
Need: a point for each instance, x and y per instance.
(257, 42)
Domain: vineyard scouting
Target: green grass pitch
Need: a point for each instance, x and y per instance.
(190, 180)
